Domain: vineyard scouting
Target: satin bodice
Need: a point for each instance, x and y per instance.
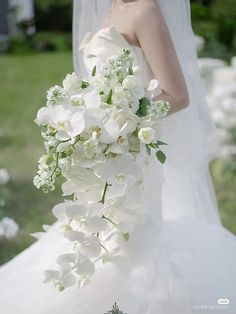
(95, 48)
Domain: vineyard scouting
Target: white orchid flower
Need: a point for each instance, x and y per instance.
(44, 115)
(95, 224)
(67, 121)
(120, 147)
(112, 168)
(61, 279)
(59, 209)
(92, 98)
(69, 209)
(84, 266)
(95, 118)
(90, 247)
(110, 132)
(76, 211)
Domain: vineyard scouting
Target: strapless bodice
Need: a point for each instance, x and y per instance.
(95, 48)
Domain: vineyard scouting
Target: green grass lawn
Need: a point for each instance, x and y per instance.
(24, 81)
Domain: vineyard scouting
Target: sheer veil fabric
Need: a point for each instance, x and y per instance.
(191, 134)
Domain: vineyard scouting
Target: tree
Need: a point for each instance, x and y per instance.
(54, 14)
(224, 13)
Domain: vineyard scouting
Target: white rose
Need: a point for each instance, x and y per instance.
(119, 97)
(71, 83)
(146, 135)
(134, 86)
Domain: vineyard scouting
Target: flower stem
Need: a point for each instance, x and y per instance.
(76, 141)
(55, 169)
(104, 247)
(104, 193)
(108, 219)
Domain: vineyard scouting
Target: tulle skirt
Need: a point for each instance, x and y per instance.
(190, 268)
(176, 266)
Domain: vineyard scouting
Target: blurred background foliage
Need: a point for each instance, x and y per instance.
(215, 21)
(31, 63)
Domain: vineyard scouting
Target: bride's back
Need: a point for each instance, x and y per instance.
(123, 15)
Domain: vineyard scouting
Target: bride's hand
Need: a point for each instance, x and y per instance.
(156, 43)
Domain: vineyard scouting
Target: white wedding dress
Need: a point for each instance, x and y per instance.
(176, 266)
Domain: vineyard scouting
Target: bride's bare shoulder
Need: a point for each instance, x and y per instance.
(146, 11)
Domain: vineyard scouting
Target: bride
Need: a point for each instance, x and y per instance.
(188, 264)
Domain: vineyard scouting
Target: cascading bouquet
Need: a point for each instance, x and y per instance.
(97, 132)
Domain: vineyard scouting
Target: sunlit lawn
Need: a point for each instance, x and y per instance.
(23, 83)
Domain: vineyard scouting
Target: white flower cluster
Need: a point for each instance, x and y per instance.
(8, 228)
(97, 135)
(55, 94)
(159, 108)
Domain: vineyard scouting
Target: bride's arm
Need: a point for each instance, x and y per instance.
(155, 41)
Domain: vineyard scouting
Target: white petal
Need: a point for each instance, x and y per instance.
(66, 258)
(118, 190)
(68, 188)
(62, 135)
(76, 211)
(75, 236)
(110, 132)
(95, 224)
(128, 128)
(92, 99)
(153, 84)
(51, 275)
(77, 124)
(62, 147)
(91, 249)
(59, 210)
(69, 280)
(44, 115)
(86, 268)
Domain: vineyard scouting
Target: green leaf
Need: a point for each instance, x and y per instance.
(143, 104)
(159, 143)
(126, 236)
(131, 72)
(109, 98)
(161, 156)
(152, 145)
(94, 71)
(148, 149)
(84, 84)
